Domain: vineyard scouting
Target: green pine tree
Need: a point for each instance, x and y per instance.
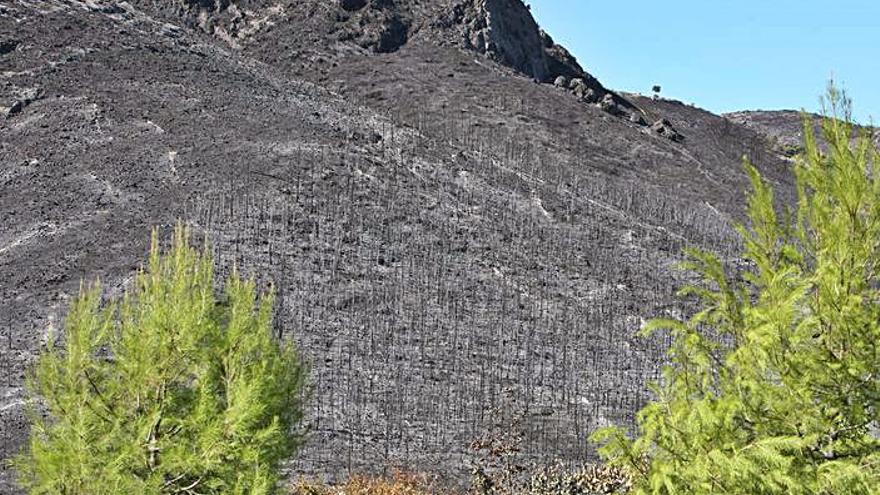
(773, 386)
(169, 390)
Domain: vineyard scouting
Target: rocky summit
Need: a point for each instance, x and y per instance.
(465, 228)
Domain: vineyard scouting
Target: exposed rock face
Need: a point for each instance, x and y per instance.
(505, 31)
(560, 61)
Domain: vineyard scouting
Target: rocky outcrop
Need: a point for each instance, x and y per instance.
(505, 31)
(560, 61)
(588, 90)
(582, 90)
(502, 30)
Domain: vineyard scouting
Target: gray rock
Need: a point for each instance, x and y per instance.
(15, 109)
(664, 128)
(636, 118)
(23, 98)
(561, 82)
(609, 105)
(575, 83)
(585, 94)
(505, 31)
(660, 125)
(30, 95)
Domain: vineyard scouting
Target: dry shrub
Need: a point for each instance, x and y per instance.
(498, 468)
(398, 484)
(590, 479)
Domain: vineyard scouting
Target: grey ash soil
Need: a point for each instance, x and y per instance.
(451, 236)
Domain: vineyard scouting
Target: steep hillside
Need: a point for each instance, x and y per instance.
(459, 238)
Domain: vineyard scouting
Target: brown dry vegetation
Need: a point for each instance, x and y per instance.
(398, 484)
(589, 479)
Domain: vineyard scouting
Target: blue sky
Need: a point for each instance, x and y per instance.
(726, 55)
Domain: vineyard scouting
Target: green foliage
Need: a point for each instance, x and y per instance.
(169, 390)
(773, 386)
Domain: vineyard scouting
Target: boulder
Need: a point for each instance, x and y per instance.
(587, 95)
(23, 98)
(609, 105)
(575, 83)
(561, 82)
(636, 118)
(664, 128)
(16, 108)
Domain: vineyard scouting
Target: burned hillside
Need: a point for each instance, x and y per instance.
(451, 229)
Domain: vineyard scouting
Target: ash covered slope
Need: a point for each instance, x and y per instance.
(113, 121)
(454, 243)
